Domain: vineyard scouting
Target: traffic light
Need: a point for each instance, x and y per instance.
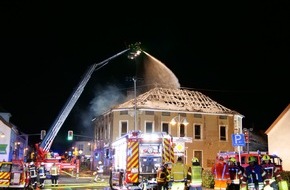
(70, 135)
(247, 136)
(42, 134)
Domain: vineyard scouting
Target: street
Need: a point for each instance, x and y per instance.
(67, 182)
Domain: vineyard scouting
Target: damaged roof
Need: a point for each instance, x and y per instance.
(176, 100)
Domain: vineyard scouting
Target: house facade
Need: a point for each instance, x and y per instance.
(12, 145)
(278, 137)
(200, 127)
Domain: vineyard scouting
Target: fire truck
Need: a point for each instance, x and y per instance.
(43, 148)
(245, 157)
(136, 156)
(14, 175)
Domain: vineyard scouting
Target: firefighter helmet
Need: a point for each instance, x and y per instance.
(252, 159)
(31, 163)
(232, 159)
(194, 159)
(266, 157)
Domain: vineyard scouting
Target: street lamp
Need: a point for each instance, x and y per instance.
(247, 137)
(181, 122)
(2, 135)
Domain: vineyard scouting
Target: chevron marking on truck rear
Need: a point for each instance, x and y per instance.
(132, 160)
(4, 179)
(166, 151)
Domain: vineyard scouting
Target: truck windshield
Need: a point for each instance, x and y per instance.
(5, 167)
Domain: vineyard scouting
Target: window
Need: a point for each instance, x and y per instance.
(108, 131)
(223, 117)
(149, 112)
(197, 116)
(182, 130)
(99, 133)
(123, 128)
(165, 127)
(197, 131)
(80, 147)
(124, 112)
(148, 127)
(165, 113)
(223, 133)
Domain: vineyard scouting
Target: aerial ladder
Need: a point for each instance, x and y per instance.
(45, 145)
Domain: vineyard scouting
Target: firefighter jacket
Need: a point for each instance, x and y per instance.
(196, 176)
(32, 171)
(271, 171)
(41, 172)
(179, 172)
(161, 176)
(220, 170)
(235, 174)
(54, 170)
(253, 175)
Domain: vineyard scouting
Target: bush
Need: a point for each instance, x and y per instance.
(286, 176)
(207, 179)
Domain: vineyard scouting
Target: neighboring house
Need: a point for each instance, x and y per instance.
(12, 144)
(206, 125)
(278, 137)
(6, 147)
(84, 148)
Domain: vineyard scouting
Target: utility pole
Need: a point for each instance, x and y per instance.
(135, 103)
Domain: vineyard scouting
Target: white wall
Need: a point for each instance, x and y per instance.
(4, 141)
(279, 140)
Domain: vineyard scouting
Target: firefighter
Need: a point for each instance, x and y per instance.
(253, 175)
(178, 174)
(195, 175)
(271, 172)
(167, 172)
(241, 167)
(220, 170)
(99, 172)
(161, 178)
(235, 175)
(54, 172)
(41, 171)
(33, 175)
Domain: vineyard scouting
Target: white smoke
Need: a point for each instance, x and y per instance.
(105, 99)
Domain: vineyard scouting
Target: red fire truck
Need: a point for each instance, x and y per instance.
(136, 156)
(245, 157)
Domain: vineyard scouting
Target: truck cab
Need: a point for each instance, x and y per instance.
(13, 175)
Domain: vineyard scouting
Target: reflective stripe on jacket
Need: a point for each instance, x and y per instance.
(196, 176)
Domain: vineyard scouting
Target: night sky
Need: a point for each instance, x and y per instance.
(237, 53)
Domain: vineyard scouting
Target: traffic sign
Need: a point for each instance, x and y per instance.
(238, 140)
